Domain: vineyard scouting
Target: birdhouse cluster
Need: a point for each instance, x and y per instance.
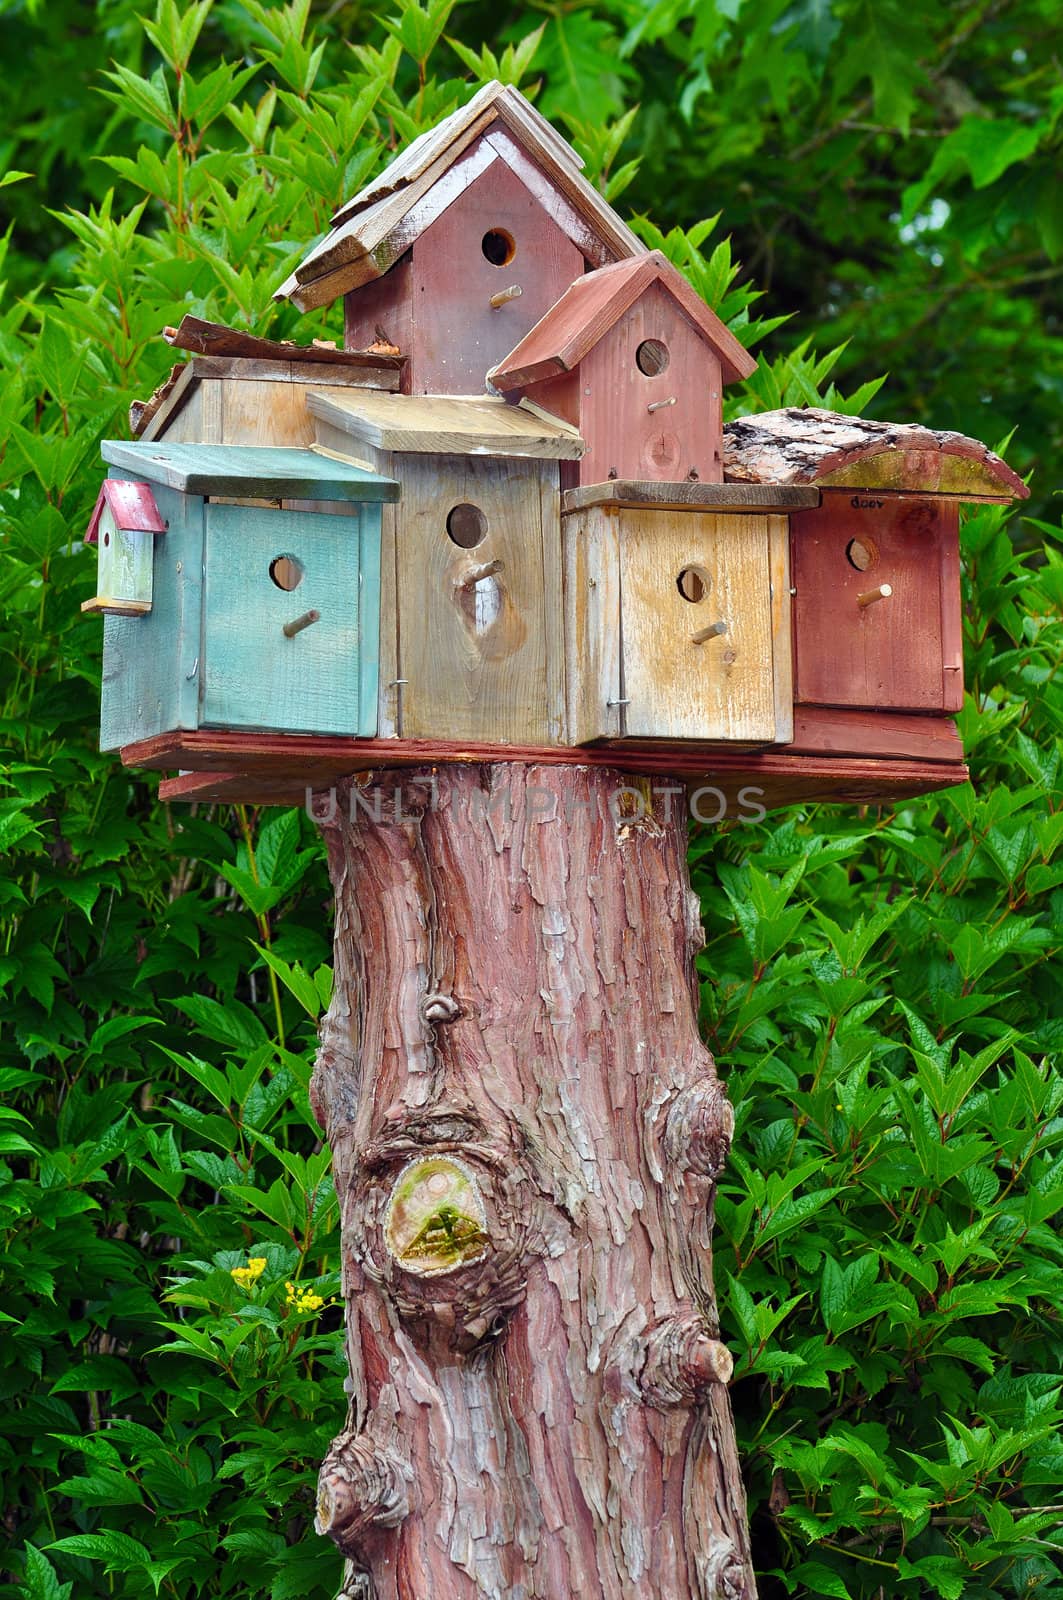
(507, 520)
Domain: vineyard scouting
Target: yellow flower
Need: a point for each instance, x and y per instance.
(246, 1276)
(302, 1299)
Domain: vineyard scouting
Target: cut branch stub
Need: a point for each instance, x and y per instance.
(682, 1361)
(436, 1221)
(362, 1487)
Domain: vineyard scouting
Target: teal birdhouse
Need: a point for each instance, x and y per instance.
(263, 594)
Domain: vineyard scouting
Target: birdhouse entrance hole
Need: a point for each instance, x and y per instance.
(652, 357)
(466, 525)
(693, 584)
(286, 572)
(498, 247)
(861, 553)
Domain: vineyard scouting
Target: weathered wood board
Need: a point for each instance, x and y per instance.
(854, 651)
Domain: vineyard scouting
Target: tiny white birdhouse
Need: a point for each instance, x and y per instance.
(123, 527)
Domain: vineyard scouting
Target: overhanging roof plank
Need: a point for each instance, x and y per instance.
(249, 472)
(441, 425)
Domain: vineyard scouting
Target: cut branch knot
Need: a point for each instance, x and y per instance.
(698, 1129)
(437, 1008)
(361, 1486)
(682, 1361)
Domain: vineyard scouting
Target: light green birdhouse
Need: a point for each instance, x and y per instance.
(124, 526)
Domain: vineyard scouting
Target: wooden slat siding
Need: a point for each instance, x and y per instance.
(473, 679)
(215, 339)
(493, 100)
(553, 609)
(369, 580)
(183, 418)
(436, 425)
(676, 689)
(591, 584)
(580, 228)
(951, 606)
(887, 655)
(458, 334)
(151, 663)
(781, 626)
(808, 444)
(625, 439)
(823, 730)
(254, 677)
(594, 303)
(249, 472)
(691, 496)
(386, 304)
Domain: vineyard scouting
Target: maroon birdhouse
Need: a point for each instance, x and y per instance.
(875, 570)
(635, 360)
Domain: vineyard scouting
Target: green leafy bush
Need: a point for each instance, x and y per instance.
(881, 987)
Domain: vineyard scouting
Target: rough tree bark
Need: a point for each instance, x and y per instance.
(526, 1131)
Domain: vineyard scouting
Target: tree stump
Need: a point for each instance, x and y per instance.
(526, 1131)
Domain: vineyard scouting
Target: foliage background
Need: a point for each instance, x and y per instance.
(882, 987)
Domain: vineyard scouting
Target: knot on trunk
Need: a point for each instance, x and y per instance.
(723, 1574)
(698, 1129)
(449, 1237)
(361, 1486)
(682, 1361)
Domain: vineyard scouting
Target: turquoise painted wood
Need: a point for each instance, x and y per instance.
(212, 652)
(150, 663)
(324, 678)
(248, 471)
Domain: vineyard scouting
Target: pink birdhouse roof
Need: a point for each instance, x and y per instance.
(593, 304)
(132, 505)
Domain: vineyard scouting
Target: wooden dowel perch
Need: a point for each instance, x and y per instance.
(883, 592)
(713, 631)
(476, 575)
(307, 620)
(503, 296)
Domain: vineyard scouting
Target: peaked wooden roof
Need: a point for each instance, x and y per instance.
(592, 305)
(373, 229)
(810, 445)
(132, 505)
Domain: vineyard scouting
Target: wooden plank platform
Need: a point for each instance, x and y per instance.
(278, 769)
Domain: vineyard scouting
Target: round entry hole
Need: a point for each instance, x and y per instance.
(693, 584)
(652, 357)
(466, 525)
(861, 553)
(286, 572)
(498, 247)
